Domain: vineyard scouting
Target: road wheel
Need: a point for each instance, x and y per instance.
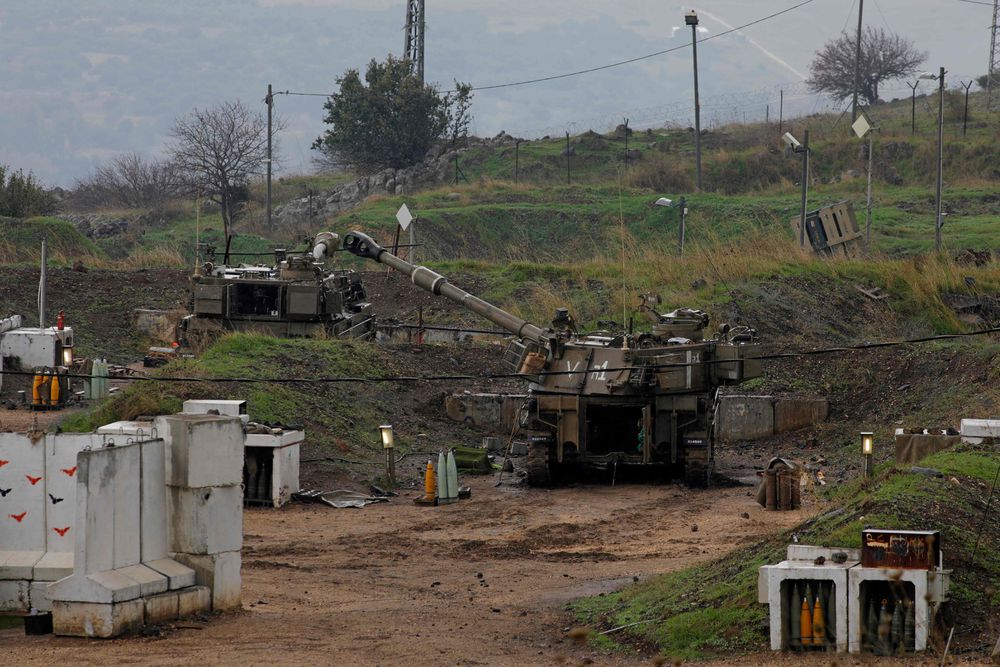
(697, 469)
(536, 464)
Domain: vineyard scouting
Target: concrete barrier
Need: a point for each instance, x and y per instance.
(496, 411)
(754, 417)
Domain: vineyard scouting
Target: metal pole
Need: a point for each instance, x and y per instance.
(857, 64)
(767, 114)
(913, 106)
(868, 214)
(781, 112)
(940, 162)
(626, 143)
(697, 108)
(567, 157)
(680, 231)
(270, 105)
(965, 114)
(805, 190)
(42, 285)
(517, 146)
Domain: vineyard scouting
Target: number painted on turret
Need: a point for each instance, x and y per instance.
(600, 372)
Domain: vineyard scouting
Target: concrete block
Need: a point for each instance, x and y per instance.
(89, 619)
(53, 566)
(229, 408)
(497, 411)
(30, 346)
(203, 450)
(178, 575)
(791, 414)
(781, 607)
(95, 502)
(126, 470)
(283, 439)
(22, 507)
(930, 589)
(160, 608)
(59, 492)
(16, 565)
(808, 552)
(745, 417)
(123, 431)
(206, 520)
(154, 533)
(39, 591)
(15, 596)
(975, 430)
(101, 587)
(194, 600)
(150, 581)
(221, 573)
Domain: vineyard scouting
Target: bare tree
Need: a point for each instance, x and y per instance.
(884, 57)
(217, 151)
(130, 181)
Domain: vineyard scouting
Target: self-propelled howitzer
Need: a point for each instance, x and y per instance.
(606, 399)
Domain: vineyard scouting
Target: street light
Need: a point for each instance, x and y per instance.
(868, 449)
(938, 221)
(803, 148)
(691, 19)
(682, 205)
(385, 430)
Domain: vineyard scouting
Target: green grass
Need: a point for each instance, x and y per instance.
(337, 416)
(21, 241)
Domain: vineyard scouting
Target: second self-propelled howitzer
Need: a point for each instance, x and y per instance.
(609, 399)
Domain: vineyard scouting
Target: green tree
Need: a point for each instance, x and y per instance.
(22, 196)
(391, 119)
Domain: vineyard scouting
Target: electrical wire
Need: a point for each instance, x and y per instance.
(337, 379)
(977, 2)
(600, 67)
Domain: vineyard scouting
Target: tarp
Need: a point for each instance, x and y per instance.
(913, 447)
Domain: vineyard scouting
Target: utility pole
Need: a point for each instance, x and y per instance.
(965, 114)
(991, 79)
(805, 188)
(857, 65)
(413, 47)
(517, 146)
(940, 162)
(781, 111)
(913, 105)
(691, 19)
(270, 105)
(626, 142)
(567, 158)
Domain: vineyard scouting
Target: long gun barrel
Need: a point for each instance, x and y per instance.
(363, 246)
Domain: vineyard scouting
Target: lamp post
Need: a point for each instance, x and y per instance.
(390, 457)
(682, 205)
(802, 148)
(868, 450)
(938, 220)
(691, 19)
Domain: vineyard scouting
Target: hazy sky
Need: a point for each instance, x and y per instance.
(83, 81)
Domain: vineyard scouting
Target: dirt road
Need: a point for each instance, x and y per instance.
(481, 582)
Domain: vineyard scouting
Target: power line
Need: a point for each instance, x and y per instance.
(645, 57)
(608, 66)
(337, 379)
(977, 2)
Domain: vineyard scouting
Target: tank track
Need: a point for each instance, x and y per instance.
(697, 468)
(536, 465)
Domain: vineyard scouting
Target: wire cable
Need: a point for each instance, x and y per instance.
(600, 67)
(336, 379)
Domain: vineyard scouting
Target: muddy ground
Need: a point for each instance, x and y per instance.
(481, 582)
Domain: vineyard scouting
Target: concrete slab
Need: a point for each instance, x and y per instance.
(18, 564)
(150, 581)
(15, 596)
(40, 600)
(745, 417)
(204, 450)
(205, 520)
(976, 430)
(160, 608)
(54, 565)
(194, 600)
(154, 537)
(178, 575)
(221, 573)
(791, 414)
(88, 619)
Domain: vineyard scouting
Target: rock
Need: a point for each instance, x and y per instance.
(694, 528)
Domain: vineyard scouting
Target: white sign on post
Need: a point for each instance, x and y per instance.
(861, 126)
(404, 217)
